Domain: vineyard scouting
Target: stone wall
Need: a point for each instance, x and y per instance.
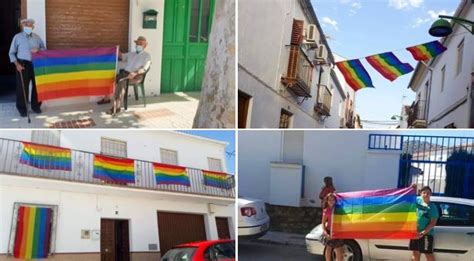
(293, 219)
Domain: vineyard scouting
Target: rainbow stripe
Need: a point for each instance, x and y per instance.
(72, 73)
(114, 170)
(33, 232)
(426, 51)
(171, 175)
(375, 214)
(45, 156)
(216, 179)
(389, 65)
(355, 74)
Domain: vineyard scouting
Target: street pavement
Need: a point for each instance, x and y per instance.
(255, 251)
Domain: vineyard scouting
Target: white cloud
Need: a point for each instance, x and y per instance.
(432, 16)
(405, 4)
(328, 21)
(354, 5)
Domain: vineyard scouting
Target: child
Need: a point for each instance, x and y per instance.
(326, 189)
(329, 202)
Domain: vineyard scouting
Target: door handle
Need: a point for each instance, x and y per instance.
(470, 234)
(106, 250)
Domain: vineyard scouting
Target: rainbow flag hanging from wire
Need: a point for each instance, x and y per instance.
(170, 175)
(216, 179)
(426, 51)
(389, 65)
(114, 170)
(33, 232)
(45, 156)
(355, 74)
(375, 214)
(72, 73)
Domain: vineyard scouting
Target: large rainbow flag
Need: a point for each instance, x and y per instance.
(114, 170)
(45, 156)
(389, 65)
(355, 74)
(171, 175)
(33, 232)
(375, 214)
(426, 51)
(72, 73)
(216, 179)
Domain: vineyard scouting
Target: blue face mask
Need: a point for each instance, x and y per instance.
(27, 30)
(139, 48)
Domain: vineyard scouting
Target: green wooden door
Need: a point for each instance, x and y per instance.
(187, 24)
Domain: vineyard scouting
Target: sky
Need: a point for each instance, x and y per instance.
(221, 135)
(360, 28)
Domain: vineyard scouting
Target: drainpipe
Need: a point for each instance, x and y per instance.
(319, 82)
(428, 98)
(470, 97)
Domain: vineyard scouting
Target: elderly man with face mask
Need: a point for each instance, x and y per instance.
(23, 45)
(138, 63)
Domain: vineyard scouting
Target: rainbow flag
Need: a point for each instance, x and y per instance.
(216, 179)
(375, 214)
(72, 73)
(114, 170)
(33, 232)
(355, 74)
(389, 65)
(426, 51)
(171, 175)
(45, 156)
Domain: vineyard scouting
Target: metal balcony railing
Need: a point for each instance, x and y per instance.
(417, 114)
(83, 169)
(300, 72)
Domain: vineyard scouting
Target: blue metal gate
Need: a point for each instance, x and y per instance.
(444, 163)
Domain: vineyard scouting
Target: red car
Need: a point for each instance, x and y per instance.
(212, 250)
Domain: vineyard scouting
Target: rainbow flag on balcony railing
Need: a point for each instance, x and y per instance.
(114, 170)
(45, 156)
(375, 214)
(33, 232)
(72, 73)
(216, 179)
(171, 175)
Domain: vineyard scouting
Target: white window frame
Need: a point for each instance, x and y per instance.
(115, 150)
(460, 52)
(211, 164)
(46, 137)
(166, 154)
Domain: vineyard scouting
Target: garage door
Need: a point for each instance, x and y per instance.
(86, 24)
(178, 228)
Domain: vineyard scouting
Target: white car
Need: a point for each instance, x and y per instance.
(453, 238)
(254, 221)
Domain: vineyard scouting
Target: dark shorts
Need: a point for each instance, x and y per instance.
(335, 243)
(423, 245)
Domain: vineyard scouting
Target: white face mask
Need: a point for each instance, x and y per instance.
(139, 48)
(28, 30)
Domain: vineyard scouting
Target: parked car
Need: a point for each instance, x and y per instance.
(453, 240)
(212, 250)
(254, 221)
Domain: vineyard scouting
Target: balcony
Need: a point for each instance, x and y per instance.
(417, 116)
(300, 73)
(82, 172)
(323, 105)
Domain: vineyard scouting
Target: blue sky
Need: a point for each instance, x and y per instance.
(359, 28)
(222, 135)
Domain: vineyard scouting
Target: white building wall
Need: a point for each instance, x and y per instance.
(342, 155)
(264, 52)
(82, 207)
(36, 9)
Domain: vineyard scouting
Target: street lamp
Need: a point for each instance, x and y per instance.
(442, 27)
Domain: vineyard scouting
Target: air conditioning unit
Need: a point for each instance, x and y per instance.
(321, 55)
(312, 34)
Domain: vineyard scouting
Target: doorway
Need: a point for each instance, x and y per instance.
(114, 240)
(222, 224)
(10, 15)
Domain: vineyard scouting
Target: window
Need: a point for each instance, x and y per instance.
(214, 164)
(112, 147)
(200, 22)
(43, 219)
(217, 252)
(285, 119)
(456, 215)
(169, 156)
(244, 104)
(443, 76)
(460, 56)
(46, 137)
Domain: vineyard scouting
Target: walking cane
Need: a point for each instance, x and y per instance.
(24, 96)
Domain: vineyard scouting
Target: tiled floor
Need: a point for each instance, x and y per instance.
(175, 111)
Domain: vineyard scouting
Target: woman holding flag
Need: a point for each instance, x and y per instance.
(329, 202)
